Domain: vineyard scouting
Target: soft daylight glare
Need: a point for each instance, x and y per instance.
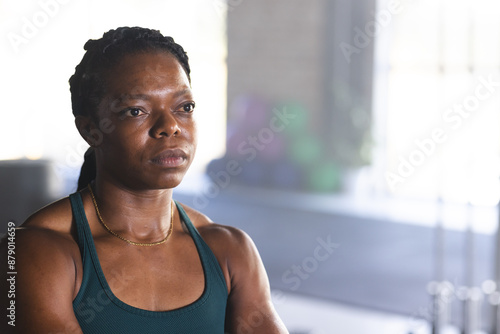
(34, 155)
(450, 90)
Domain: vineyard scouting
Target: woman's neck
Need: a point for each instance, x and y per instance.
(137, 215)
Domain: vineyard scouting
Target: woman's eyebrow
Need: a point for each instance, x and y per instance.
(125, 97)
(184, 91)
(146, 97)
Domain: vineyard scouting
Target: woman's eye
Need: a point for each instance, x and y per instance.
(188, 107)
(134, 112)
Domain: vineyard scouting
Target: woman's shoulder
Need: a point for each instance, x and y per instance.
(234, 249)
(45, 241)
(225, 240)
(52, 222)
(45, 256)
(210, 229)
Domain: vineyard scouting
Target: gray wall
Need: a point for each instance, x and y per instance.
(289, 50)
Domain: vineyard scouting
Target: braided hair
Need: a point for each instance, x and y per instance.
(87, 84)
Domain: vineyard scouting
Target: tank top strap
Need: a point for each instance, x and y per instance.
(207, 256)
(84, 238)
(80, 221)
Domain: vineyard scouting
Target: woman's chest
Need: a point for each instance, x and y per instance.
(154, 279)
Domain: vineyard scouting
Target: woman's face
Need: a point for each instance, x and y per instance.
(147, 123)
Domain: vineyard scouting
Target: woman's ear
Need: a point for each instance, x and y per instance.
(88, 130)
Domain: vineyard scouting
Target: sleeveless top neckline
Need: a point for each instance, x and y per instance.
(97, 307)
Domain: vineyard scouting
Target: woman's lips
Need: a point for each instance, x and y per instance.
(170, 158)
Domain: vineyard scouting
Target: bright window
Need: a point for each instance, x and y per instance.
(437, 106)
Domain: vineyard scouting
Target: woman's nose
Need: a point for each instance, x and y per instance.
(165, 126)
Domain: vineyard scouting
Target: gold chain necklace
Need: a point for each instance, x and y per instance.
(130, 241)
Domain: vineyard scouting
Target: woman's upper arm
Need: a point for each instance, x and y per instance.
(250, 309)
(44, 287)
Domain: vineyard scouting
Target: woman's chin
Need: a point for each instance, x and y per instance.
(169, 182)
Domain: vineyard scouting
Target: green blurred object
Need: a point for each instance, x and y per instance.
(305, 150)
(324, 177)
(299, 123)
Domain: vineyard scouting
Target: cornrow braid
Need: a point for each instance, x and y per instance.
(87, 85)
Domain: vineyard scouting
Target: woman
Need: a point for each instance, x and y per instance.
(120, 256)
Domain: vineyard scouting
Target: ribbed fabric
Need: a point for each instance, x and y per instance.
(99, 311)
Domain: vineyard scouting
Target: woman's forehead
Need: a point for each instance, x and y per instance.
(142, 72)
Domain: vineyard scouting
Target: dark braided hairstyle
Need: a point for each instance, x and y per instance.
(87, 85)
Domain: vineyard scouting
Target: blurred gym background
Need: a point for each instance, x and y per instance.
(357, 142)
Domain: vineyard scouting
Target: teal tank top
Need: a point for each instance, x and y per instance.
(99, 311)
